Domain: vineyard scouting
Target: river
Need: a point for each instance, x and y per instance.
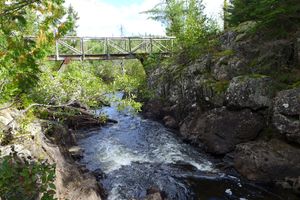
(136, 154)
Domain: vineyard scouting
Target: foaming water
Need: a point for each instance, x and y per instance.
(134, 139)
(137, 154)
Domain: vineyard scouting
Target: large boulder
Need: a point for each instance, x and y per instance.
(274, 160)
(254, 92)
(170, 122)
(220, 129)
(229, 66)
(153, 109)
(286, 116)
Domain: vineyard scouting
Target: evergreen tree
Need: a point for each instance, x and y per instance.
(185, 20)
(278, 16)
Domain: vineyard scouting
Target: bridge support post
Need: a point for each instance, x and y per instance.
(82, 48)
(56, 50)
(151, 46)
(129, 45)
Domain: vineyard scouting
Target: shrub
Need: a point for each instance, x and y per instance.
(26, 180)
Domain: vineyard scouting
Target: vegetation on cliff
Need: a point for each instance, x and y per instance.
(241, 92)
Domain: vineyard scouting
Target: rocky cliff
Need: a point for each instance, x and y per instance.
(242, 100)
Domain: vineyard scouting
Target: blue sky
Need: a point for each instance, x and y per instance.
(105, 17)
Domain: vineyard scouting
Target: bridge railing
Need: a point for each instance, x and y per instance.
(90, 48)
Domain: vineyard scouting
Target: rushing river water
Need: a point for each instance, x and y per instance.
(137, 154)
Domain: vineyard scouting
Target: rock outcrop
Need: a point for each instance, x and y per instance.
(286, 117)
(272, 160)
(56, 143)
(236, 100)
(250, 92)
(220, 129)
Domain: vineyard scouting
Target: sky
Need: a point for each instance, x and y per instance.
(106, 17)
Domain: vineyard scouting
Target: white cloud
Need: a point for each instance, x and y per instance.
(213, 8)
(98, 18)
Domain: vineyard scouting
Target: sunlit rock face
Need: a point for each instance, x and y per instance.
(237, 98)
(250, 92)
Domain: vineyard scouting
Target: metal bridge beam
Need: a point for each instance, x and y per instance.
(109, 48)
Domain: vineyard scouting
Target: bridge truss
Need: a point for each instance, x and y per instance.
(110, 48)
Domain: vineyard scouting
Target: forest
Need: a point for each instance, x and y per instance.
(230, 90)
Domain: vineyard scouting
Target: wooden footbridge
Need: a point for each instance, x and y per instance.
(110, 48)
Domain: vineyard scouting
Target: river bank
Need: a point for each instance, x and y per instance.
(240, 103)
(52, 138)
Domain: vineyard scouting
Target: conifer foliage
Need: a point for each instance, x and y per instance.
(281, 16)
(185, 19)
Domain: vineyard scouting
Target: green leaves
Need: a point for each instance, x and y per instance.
(187, 21)
(20, 179)
(20, 57)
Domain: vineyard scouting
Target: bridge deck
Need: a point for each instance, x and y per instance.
(110, 48)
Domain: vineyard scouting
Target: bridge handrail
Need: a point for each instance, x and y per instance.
(129, 45)
(114, 37)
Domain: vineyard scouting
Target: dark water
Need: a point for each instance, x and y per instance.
(137, 154)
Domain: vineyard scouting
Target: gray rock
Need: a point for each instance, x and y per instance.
(227, 39)
(228, 67)
(286, 117)
(200, 66)
(250, 92)
(155, 196)
(153, 109)
(220, 130)
(19, 150)
(170, 122)
(274, 160)
(210, 91)
(76, 152)
(154, 193)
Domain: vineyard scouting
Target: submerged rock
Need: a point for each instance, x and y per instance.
(155, 196)
(274, 160)
(154, 193)
(286, 117)
(220, 129)
(254, 92)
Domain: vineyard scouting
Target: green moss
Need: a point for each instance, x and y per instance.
(218, 87)
(295, 85)
(227, 52)
(257, 76)
(245, 27)
(221, 86)
(250, 76)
